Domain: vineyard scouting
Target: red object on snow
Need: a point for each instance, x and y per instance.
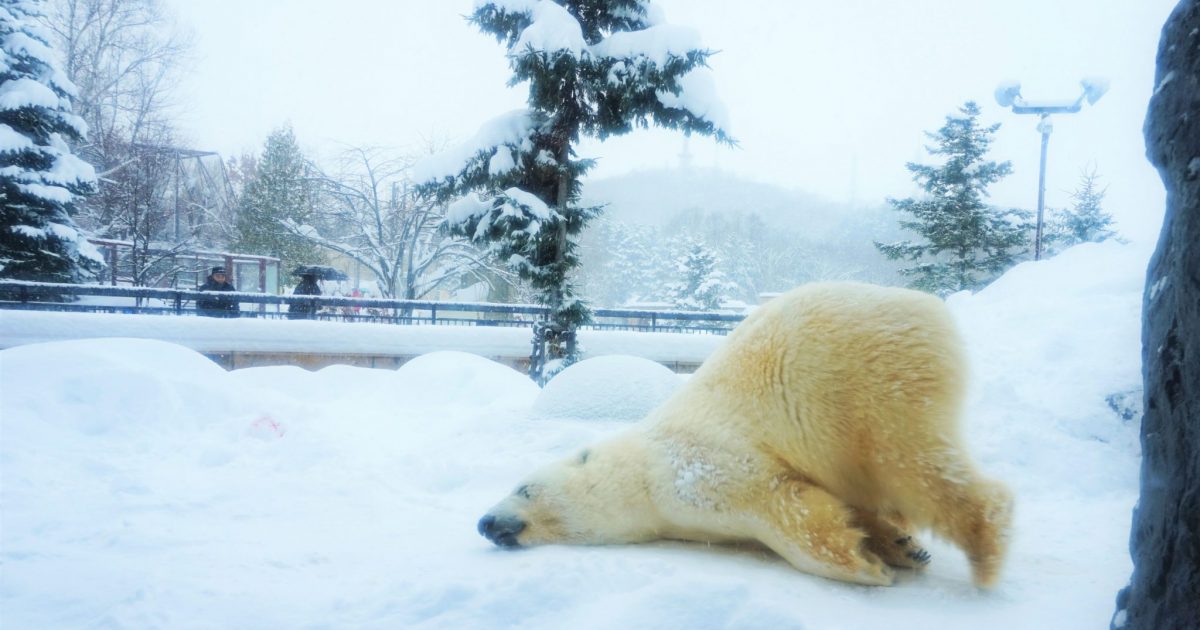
(266, 426)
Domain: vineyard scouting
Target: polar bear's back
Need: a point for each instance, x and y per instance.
(827, 373)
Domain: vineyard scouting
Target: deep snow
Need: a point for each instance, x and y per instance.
(141, 486)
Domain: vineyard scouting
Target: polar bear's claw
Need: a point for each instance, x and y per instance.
(920, 556)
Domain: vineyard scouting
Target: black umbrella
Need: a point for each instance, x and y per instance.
(322, 272)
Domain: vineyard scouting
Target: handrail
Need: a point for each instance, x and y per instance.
(25, 291)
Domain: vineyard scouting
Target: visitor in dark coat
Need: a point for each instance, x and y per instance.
(217, 305)
(308, 286)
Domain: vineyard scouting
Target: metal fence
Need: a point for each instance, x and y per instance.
(92, 298)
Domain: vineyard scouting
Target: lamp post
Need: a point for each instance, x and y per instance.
(1008, 94)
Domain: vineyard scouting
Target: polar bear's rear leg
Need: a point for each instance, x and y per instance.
(815, 532)
(976, 515)
(980, 525)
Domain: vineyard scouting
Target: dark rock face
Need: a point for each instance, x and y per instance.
(1164, 592)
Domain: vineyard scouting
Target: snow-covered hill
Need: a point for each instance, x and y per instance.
(655, 197)
(143, 487)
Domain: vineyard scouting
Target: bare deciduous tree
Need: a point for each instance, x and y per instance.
(122, 56)
(369, 213)
(134, 205)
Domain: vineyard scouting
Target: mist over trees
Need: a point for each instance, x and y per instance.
(162, 193)
(765, 239)
(701, 286)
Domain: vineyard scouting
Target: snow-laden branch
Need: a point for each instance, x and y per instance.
(656, 44)
(524, 212)
(545, 28)
(513, 130)
(698, 96)
(553, 30)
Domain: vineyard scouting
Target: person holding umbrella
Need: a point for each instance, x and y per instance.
(308, 286)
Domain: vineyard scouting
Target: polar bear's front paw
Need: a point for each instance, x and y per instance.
(893, 543)
(916, 555)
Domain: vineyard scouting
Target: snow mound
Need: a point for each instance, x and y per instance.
(613, 387)
(1052, 343)
(348, 382)
(459, 378)
(292, 381)
(114, 385)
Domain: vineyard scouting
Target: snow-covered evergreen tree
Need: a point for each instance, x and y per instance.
(596, 68)
(1086, 221)
(40, 179)
(282, 192)
(701, 286)
(967, 243)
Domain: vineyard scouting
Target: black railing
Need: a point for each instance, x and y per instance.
(15, 294)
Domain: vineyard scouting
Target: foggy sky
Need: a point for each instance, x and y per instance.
(826, 97)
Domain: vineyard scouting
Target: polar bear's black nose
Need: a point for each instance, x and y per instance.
(501, 530)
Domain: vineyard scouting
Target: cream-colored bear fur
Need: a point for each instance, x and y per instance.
(826, 428)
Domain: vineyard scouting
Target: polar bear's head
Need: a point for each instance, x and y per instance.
(596, 496)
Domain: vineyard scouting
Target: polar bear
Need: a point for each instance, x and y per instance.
(826, 428)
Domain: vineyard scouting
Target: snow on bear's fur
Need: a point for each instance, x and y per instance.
(826, 428)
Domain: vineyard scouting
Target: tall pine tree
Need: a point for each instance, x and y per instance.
(40, 180)
(596, 68)
(967, 243)
(282, 189)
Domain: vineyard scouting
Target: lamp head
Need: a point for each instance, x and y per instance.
(1007, 93)
(1094, 88)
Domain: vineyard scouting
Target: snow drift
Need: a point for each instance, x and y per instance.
(144, 487)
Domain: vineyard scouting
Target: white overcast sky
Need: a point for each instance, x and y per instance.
(826, 96)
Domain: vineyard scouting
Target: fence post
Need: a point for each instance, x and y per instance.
(433, 314)
(262, 284)
(178, 303)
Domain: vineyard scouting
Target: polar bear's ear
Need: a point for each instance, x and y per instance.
(583, 456)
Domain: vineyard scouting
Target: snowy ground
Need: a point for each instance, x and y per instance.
(144, 487)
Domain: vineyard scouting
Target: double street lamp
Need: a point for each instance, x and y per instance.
(1008, 94)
